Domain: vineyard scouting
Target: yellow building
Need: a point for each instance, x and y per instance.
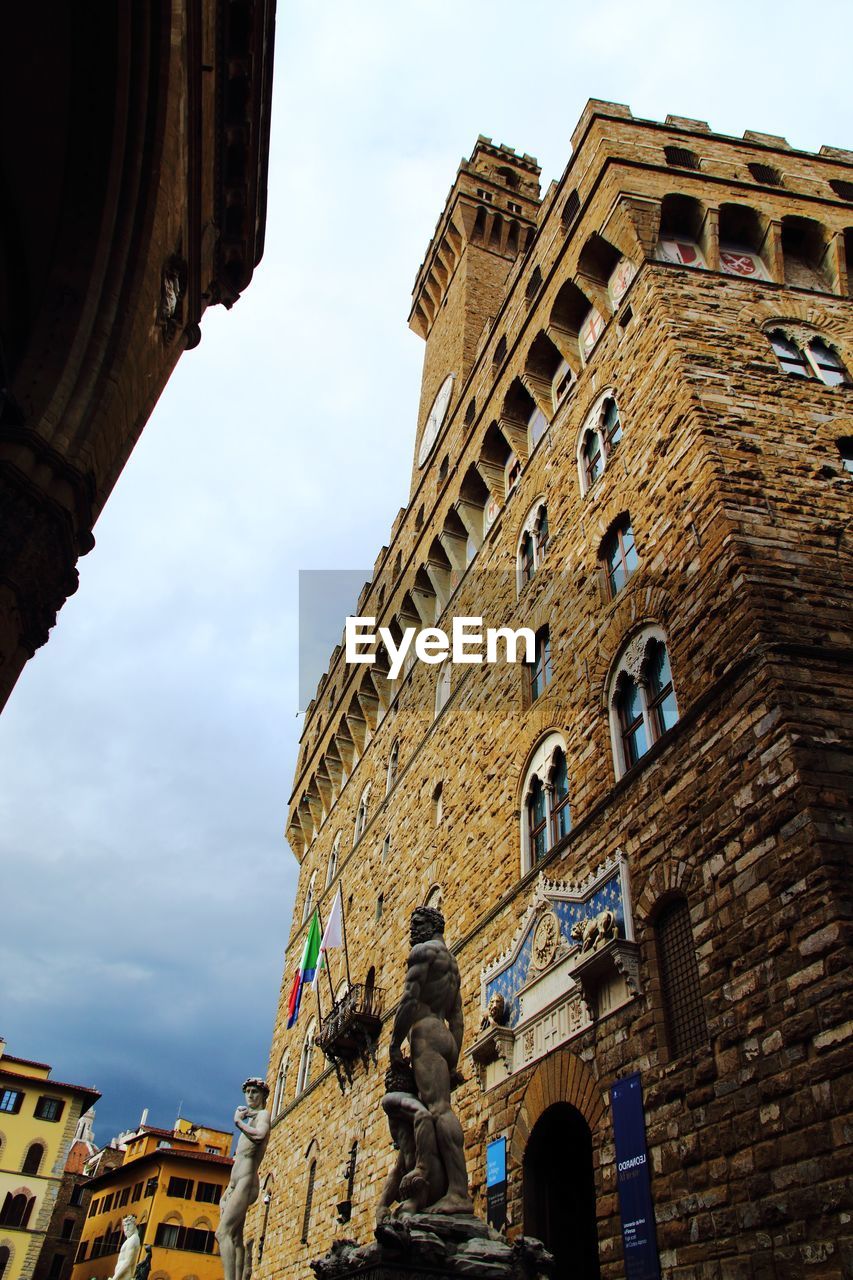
(171, 1180)
(38, 1120)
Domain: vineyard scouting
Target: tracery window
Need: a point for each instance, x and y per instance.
(808, 356)
(280, 1084)
(618, 555)
(539, 670)
(641, 698)
(442, 688)
(303, 1076)
(332, 868)
(545, 808)
(393, 764)
(533, 543)
(308, 904)
(361, 815)
(598, 438)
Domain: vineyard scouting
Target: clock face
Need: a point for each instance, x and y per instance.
(435, 418)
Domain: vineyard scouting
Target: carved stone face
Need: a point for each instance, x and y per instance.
(497, 1009)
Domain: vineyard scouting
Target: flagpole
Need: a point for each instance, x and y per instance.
(328, 961)
(344, 933)
(316, 985)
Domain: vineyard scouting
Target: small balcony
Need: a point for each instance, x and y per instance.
(351, 1029)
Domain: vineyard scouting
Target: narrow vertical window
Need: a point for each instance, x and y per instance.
(619, 556)
(592, 461)
(539, 670)
(827, 363)
(526, 558)
(629, 708)
(662, 709)
(684, 1012)
(611, 424)
(542, 534)
(789, 355)
(561, 817)
(537, 817)
(309, 1200)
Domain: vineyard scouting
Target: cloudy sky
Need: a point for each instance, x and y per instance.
(147, 753)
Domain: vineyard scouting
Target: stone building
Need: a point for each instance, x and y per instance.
(133, 192)
(70, 1207)
(39, 1125)
(634, 438)
(171, 1180)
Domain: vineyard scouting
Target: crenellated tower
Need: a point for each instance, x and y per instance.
(489, 218)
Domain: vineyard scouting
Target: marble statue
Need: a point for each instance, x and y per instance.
(129, 1251)
(253, 1122)
(430, 1174)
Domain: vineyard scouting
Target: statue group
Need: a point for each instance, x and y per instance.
(429, 1174)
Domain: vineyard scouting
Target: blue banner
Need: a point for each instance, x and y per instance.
(496, 1162)
(632, 1178)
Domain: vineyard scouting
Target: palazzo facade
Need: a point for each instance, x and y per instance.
(635, 438)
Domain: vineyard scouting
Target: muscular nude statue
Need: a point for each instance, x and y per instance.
(430, 1015)
(129, 1251)
(253, 1121)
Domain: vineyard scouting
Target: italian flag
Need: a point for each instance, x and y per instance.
(307, 969)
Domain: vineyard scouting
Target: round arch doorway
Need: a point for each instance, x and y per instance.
(559, 1191)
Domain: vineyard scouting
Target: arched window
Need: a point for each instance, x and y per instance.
(308, 904)
(280, 1085)
(33, 1158)
(309, 1200)
(442, 688)
(533, 543)
(332, 868)
(434, 897)
(808, 356)
(437, 804)
(598, 437)
(303, 1076)
(5, 1255)
(681, 993)
(641, 698)
(361, 815)
(539, 670)
(17, 1208)
(545, 809)
(393, 764)
(562, 383)
(618, 555)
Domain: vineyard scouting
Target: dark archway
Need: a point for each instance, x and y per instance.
(559, 1191)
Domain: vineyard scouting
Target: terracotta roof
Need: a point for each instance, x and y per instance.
(154, 1157)
(26, 1062)
(86, 1090)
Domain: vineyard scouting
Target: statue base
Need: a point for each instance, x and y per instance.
(431, 1245)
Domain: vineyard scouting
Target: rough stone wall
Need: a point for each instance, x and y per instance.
(740, 508)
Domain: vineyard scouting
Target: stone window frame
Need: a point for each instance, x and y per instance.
(530, 529)
(540, 669)
(616, 530)
(594, 423)
(303, 1075)
(360, 824)
(443, 687)
(669, 1049)
(334, 853)
(631, 663)
(279, 1101)
(309, 897)
(803, 338)
(541, 765)
(31, 1165)
(393, 766)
